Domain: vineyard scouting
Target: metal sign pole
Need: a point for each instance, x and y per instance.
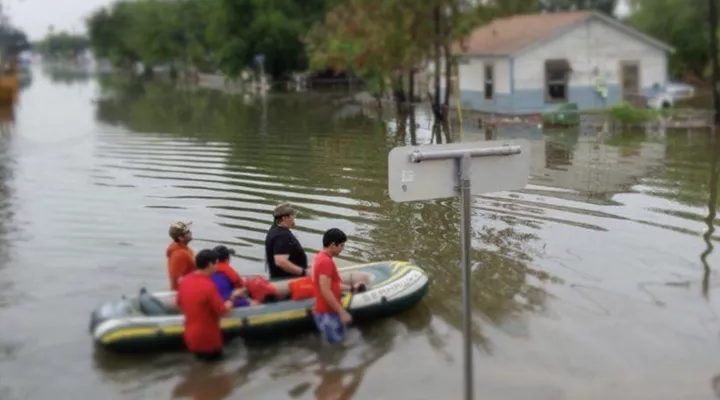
(465, 164)
(412, 178)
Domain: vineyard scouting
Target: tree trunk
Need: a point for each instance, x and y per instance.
(713, 21)
(448, 80)
(438, 50)
(411, 87)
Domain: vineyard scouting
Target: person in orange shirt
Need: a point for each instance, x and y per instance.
(180, 257)
(227, 280)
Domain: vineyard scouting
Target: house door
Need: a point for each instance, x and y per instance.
(630, 81)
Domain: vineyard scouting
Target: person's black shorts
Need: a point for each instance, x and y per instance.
(209, 356)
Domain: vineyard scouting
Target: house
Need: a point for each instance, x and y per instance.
(527, 64)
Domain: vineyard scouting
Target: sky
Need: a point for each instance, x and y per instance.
(35, 16)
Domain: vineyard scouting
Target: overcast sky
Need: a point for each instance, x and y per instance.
(35, 16)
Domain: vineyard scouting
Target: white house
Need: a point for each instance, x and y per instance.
(527, 64)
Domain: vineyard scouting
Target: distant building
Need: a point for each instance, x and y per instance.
(527, 64)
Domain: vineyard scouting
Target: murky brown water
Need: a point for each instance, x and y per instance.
(590, 284)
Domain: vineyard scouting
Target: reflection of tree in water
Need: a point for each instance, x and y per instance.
(628, 143)
(318, 154)
(560, 147)
(25, 81)
(67, 76)
(7, 117)
(299, 134)
(428, 233)
(710, 218)
(7, 350)
(686, 177)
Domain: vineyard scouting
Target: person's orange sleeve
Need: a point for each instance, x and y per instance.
(236, 280)
(233, 276)
(180, 265)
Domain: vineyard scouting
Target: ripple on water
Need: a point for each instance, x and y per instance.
(588, 262)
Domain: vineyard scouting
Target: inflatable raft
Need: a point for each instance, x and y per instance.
(152, 321)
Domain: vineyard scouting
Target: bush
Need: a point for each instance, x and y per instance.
(628, 114)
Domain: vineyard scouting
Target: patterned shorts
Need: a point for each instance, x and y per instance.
(330, 327)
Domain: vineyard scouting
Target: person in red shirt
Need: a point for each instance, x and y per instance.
(202, 306)
(330, 316)
(180, 257)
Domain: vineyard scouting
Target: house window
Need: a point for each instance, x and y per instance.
(489, 79)
(557, 76)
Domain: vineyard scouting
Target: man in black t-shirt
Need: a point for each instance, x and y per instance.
(286, 258)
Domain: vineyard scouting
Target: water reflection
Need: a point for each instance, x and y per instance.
(597, 260)
(712, 212)
(25, 80)
(325, 372)
(6, 196)
(560, 148)
(67, 74)
(8, 348)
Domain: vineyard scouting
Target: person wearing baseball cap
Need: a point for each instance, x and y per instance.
(180, 257)
(285, 257)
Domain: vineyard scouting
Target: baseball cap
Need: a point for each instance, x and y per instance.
(179, 228)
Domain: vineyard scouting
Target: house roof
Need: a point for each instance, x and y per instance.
(507, 36)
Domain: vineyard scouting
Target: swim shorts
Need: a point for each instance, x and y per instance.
(330, 327)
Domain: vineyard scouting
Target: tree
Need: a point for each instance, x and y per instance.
(242, 29)
(678, 24)
(385, 40)
(13, 40)
(108, 30)
(153, 32)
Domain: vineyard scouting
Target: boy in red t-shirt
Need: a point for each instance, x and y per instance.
(202, 306)
(330, 316)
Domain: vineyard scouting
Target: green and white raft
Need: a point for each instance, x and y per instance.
(152, 321)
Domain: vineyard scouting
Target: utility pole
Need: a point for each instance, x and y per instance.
(713, 20)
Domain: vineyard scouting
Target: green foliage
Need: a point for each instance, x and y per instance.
(681, 25)
(109, 29)
(13, 40)
(244, 28)
(206, 33)
(153, 32)
(383, 40)
(628, 114)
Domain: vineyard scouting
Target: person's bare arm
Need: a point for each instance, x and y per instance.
(283, 261)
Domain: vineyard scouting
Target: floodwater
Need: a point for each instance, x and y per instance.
(595, 282)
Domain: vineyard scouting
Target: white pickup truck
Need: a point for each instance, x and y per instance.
(672, 92)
